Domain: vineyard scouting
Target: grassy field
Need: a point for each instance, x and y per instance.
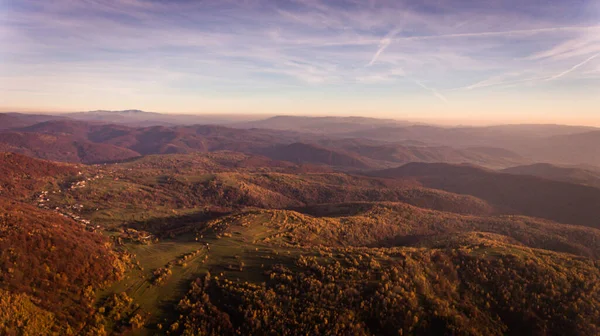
(229, 255)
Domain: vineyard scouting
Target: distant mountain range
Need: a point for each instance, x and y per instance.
(95, 142)
(321, 125)
(140, 118)
(16, 120)
(342, 142)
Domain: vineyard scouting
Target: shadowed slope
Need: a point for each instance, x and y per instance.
(526, 195)
(565, 174)
(307, 153)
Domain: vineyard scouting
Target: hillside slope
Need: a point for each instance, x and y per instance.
(578, 148)
(21, 176)
(565, 174)
(322, 125)
(387, 224)
(65, 148)
(483, 288)
(93, 142)
(53, 261)
(393, 154)
(18, 120)
(518, 194)
(307, 153)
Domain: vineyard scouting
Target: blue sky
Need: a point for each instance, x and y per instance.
(479, 61)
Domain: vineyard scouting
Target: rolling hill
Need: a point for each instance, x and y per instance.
(21, 176)
(308, 153)
(18, 120)
(163, 139)
(312, 264)
(94, 142)
(391, 154)
(138, 118)
(74, 128)
(51, 267)
(582, 176)
(54, 262)
(193, 182)
(503, 136)
(487, 288)
(570, 149)
(320, 125)
(341, 153)
(539, 143)
(393, 224)
(526, 195)
(386, 141)
(64, 148)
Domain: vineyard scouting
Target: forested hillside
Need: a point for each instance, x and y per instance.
(210, 230)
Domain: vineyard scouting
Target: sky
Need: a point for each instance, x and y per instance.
(470, 61)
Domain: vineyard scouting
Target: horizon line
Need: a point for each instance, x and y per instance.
(433, 121)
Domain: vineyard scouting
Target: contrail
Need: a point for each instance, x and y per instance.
(433, 91)
(383, 44)
(500, 33)
(371, 41)
(573, 68)
(491, 82)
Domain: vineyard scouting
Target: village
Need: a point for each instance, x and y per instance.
(69, 211)
(73, 211)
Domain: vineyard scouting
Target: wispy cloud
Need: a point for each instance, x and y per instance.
(383, 44)
(504, 33)
(575, 67)
(314, 45)
(580, 45)
(433, 91)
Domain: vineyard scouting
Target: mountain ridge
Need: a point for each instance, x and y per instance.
(528, 195)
